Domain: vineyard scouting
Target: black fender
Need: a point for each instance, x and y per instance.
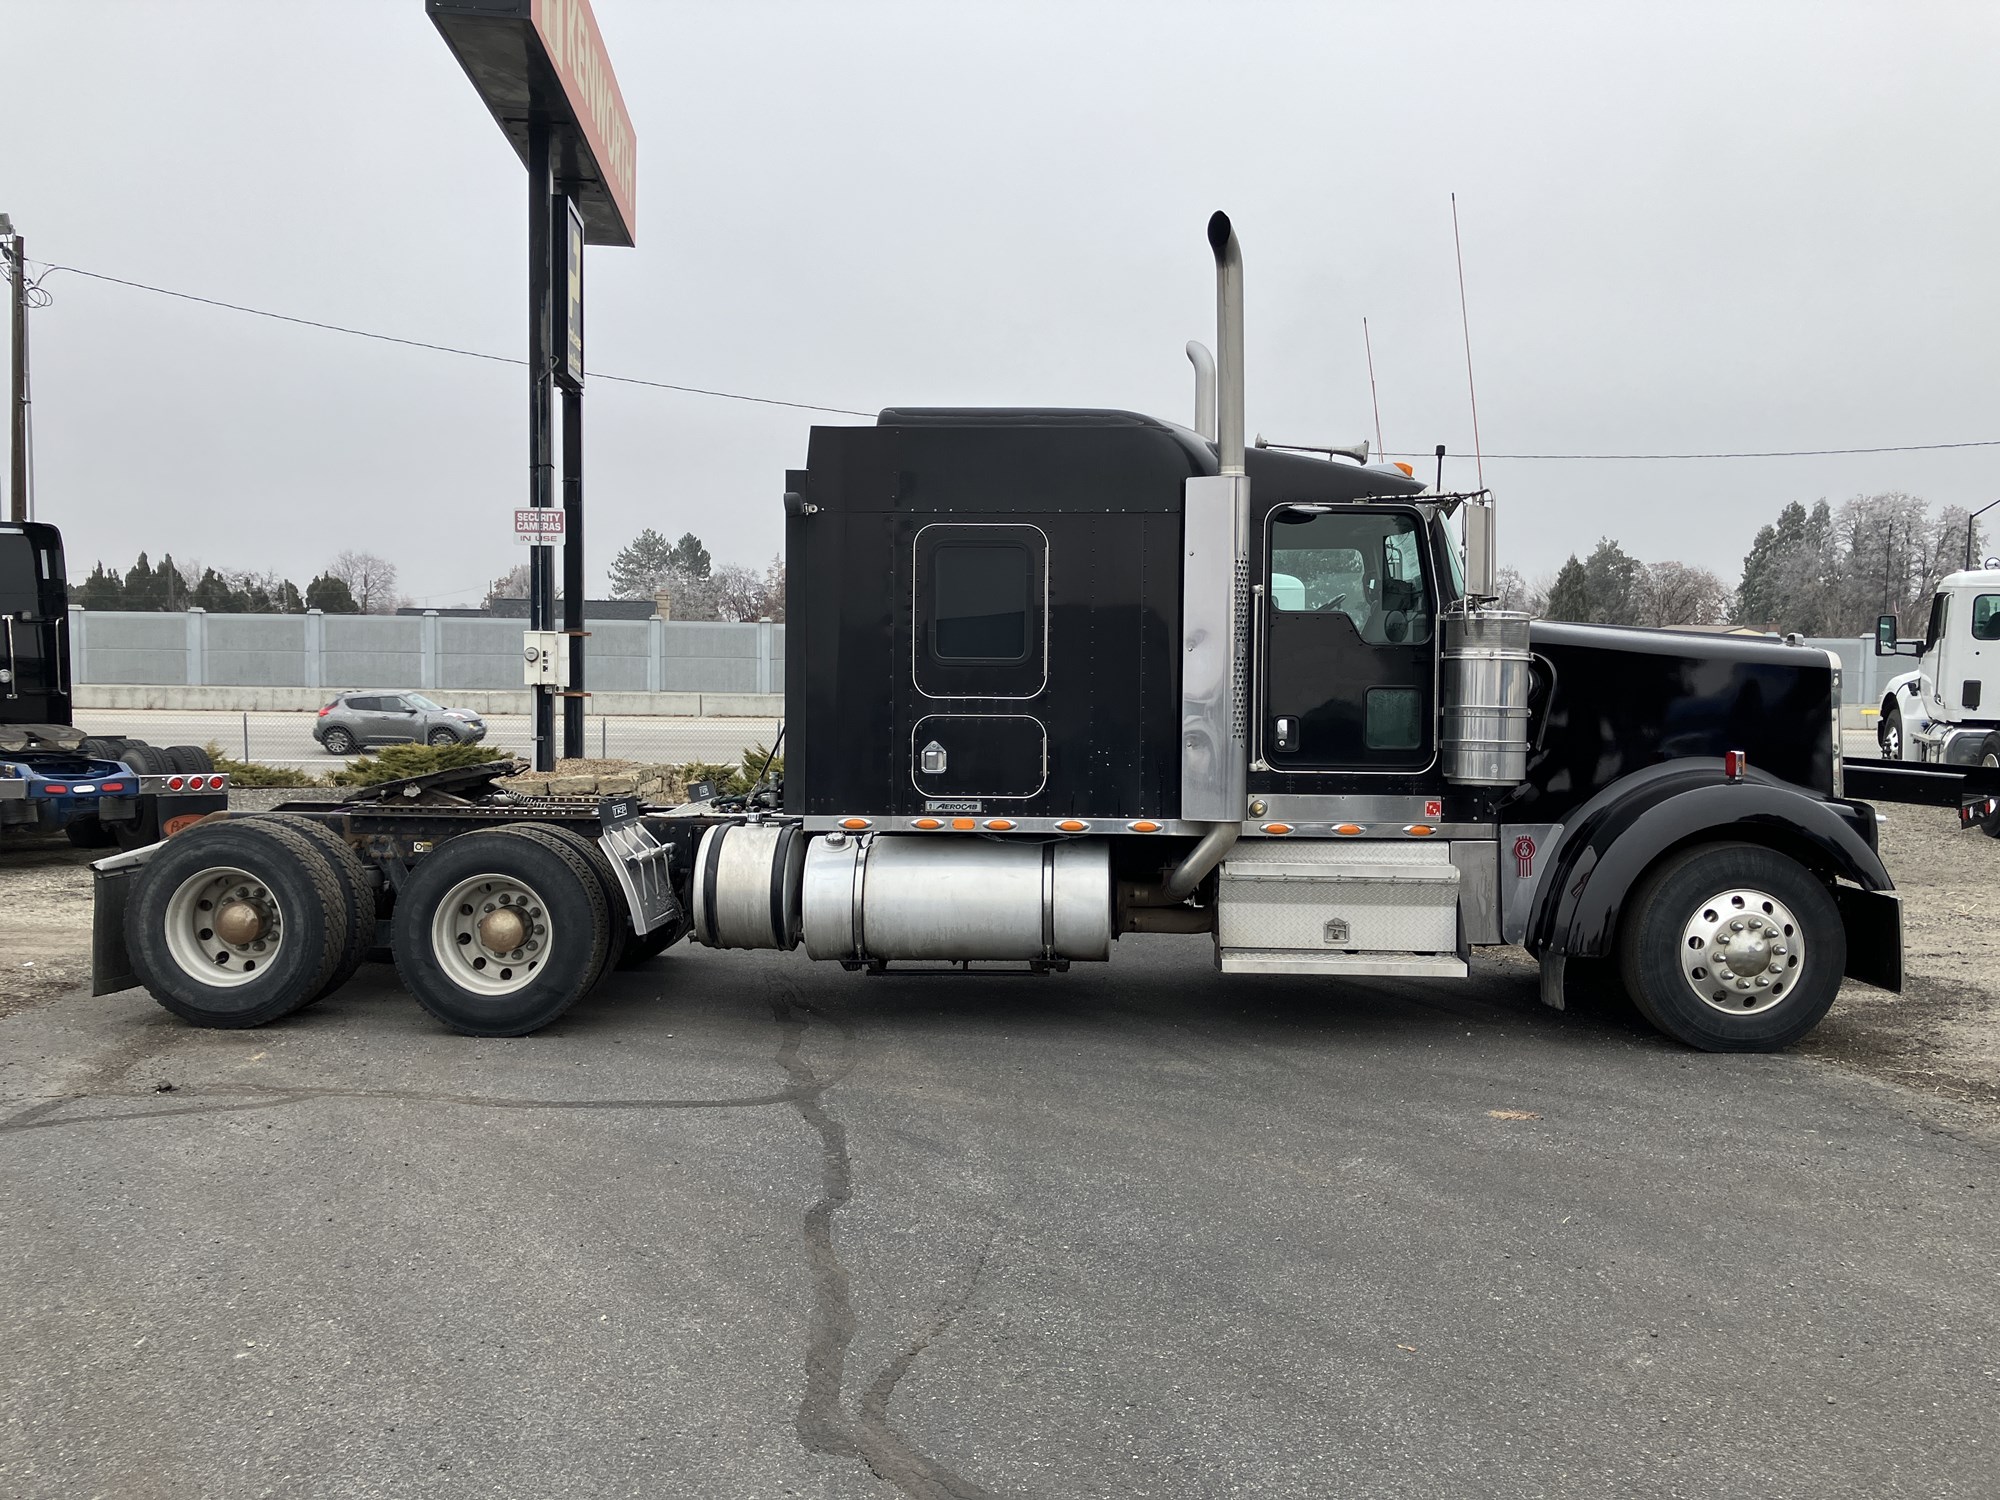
(1625, 829)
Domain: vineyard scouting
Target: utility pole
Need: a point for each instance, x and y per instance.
(17, 406)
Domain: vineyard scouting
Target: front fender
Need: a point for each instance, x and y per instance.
(1625, 829)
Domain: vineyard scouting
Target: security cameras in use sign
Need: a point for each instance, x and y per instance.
(539, 526)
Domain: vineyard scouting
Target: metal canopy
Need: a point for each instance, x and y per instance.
(544, 60)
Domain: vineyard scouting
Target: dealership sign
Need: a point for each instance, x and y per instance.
(545, 60)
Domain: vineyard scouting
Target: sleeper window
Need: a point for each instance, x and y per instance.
(980, 602)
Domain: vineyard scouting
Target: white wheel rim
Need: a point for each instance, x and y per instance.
(463, 931)
(238, 900)
(1742, 952)
(1892, 743)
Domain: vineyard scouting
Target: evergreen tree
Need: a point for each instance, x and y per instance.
(142, 588)
(103, 589)
(639, 567)
(1613, 584)
(1569, 595)
(331, 595)
(214, 594)
(287, 600)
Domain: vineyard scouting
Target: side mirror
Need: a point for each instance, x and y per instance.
(1885, 635)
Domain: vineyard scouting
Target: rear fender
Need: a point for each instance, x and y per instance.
(1629, 826)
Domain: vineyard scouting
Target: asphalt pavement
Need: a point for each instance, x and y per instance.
(745, 1226)
(285, 739)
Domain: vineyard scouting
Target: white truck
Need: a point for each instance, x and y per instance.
(1947, 712)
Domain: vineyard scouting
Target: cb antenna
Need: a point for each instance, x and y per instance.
(1366, 343)
(1465, 326)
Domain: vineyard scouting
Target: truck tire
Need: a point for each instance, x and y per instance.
(89, 832)
(1889, 733)
(188, 759)
(530, 892)
(103, 747)
(356, 890)
(280, 895)
(645, 947)
(619, 920)
(339, 742)
(1732, 948)
(147, 760)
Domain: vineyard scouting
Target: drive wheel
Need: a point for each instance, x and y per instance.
(103, 747)
(1732, 948)
(497, 934)
(1989, 758)
(188, 759)
(147, 760)
(618, 922)
(439, 738)
(236, 924)
(1889, 733)
(356, 889)
(340, 742)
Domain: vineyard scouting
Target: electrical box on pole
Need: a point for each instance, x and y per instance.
(541, 68)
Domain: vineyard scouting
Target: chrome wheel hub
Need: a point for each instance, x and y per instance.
(224, 927)
(491, 934)
(1742, 952)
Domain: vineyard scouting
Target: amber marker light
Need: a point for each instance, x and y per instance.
(1073, 825)
(854, 824)
(1347, 830)
(1000, 825)
(925, 823)
(1420, 830)
(1144, 826)
(964, 825)
(1277, 828)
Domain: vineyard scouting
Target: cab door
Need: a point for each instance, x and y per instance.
(1347, 674)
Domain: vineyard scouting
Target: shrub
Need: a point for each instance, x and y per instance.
(394, 762)
(248, 773)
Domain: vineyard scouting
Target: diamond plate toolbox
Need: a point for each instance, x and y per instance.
(1373, 897)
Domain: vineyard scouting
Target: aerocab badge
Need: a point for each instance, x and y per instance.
(954, 805)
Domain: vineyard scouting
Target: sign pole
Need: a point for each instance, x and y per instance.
(569, 374)
(541, 569)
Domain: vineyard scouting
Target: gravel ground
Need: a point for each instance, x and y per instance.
(1941, 1035)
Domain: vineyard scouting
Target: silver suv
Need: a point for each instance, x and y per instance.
(379, 718)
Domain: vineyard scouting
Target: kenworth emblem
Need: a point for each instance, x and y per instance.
(1524, 856)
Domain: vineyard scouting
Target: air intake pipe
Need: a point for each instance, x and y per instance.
(1204, 388)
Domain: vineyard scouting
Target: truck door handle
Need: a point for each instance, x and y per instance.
(931, 759)
(1288, 733)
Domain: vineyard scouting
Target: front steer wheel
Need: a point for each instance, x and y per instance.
(498, 933)
(235, 924)
(1732, 948)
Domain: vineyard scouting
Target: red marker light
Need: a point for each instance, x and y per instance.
(1734, 764)
(175, 783)
(56, 791)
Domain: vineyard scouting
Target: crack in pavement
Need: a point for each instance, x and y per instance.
(823, 1424)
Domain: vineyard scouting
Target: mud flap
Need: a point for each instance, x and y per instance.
(1874, 923)
(110, 964)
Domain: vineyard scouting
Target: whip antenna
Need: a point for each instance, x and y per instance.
(1465, 326)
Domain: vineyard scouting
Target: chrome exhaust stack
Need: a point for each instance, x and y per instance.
(1204, 388)
(1215, 589)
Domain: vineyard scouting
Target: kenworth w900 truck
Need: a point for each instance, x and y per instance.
(98, 789)
(1058, 680)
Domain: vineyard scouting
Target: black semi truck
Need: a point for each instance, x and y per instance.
(1061, 679)
(100, 790)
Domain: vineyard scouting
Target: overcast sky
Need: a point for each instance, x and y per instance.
(1687, 227)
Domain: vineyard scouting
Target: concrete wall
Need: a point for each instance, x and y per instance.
(319, 654)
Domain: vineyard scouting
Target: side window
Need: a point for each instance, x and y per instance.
(1368, 567)
(1986, 618)
(364, 705)
(979, 602)
(979, 610)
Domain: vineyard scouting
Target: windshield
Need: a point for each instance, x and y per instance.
(418, 700)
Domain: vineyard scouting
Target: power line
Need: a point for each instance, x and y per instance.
(390, 338)
(1767, 453)
(848, 411)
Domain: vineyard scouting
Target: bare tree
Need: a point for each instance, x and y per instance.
(1674, 593)
(370, 579)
